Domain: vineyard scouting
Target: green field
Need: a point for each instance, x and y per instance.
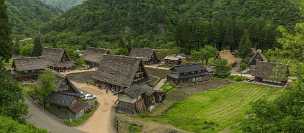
(218, 109)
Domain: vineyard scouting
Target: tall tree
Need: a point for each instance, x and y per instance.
(204, 54)
(37, 49)
(245, 45)
(5, 47)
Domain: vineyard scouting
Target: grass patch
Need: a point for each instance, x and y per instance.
(167, 87)
(217, 109)
(133, 128)
(237, 78)
(81, 120)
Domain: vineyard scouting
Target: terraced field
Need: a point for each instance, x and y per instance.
(218, 109)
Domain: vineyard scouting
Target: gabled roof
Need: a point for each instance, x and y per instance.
(227, 55)
(117, 70)
(272, 71)
(70, 102)
(137, 90)
(29, 63)
(95, 54)
(185, 68)
(257, 54)
(54, 57)
(143, 53)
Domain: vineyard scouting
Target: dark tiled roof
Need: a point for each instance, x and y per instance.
(272, 71)
(66, 101)
(184, 68)
(117, 70)
(144, 53)
(29, 63)
(95, 54)
(137, 90)
(188, 71)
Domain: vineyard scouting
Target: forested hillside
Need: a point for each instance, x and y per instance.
(25, 16)
(63, 5)
(188, 24)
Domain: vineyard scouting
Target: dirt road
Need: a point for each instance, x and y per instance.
(43, 119)
(102, 119)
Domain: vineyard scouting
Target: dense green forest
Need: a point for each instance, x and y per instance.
(26, 16)
(63, 5)
(160, 23)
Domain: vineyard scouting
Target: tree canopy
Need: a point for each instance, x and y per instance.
(5, 46)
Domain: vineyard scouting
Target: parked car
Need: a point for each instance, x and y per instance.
(87, 96)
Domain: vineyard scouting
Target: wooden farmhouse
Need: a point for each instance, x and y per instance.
(188, 73)
(147, 55)
(93, 56)
(173, 60)
(127, 77)
(66, 103)
(28, 68)
(271, 72)
(58, 59)
(256, 57)
(227, 55)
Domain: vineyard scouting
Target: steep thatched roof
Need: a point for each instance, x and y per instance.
(137, 90)
(117, 70)
(143, 53)
(55, 57)
(69, 102)
(257, 56)
(29, 63)
(272, 71)
(95, 54)
(227, 55)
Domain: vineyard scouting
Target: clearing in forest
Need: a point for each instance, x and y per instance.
(216, 109)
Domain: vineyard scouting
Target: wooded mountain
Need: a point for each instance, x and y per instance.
(155, 22)
(25, 16)
(63, 5)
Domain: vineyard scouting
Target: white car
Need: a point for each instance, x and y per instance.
(87, 96)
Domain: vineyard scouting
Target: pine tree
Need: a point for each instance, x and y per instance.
(5, 47)
(245, 45)
(37, 49)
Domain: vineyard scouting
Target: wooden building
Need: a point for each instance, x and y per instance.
(257, 56)
(147, 55)
(271, 72)
(57, 58)
(227, 55)
(126, 77)
(188, 73)
(173, 60)
(28, 68)
(93, 56)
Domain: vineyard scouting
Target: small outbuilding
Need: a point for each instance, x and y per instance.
(173, 59)
(147, 55)
(188, 73)
(28, 68)
(271, 72)
(93, 56)
(257, 56)
(227, 55)
(57, 58)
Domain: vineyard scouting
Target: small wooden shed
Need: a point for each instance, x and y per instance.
(147, 55)
(271, 72)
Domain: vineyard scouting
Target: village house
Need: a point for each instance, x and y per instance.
(147, 55)
(28, 68)
(188, 73)
(173, 59)
(227, 55)
(271, 72)
(66, 101)
(257, 55)
(57, 58)
(126, 77)
(93, 56)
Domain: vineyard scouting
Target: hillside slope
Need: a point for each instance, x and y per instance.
(25, 16)
(63, 5)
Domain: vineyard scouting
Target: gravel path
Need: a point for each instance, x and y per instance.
(102, 119)
(160, 84)
(43, 119)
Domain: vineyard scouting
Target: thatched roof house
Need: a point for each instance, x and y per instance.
(28, 67)
(126, 77)
(58, 58)
(257, 56)
(147, 55)
(94, 55)
(188, 72)
(227, 55)
(173, 59)
(272, 72)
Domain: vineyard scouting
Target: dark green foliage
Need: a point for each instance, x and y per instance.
(26, 16)
(245, 45)
(11, 98)
(37, 48)
(46, 85)
(8, 125)
(204, 54)
(222, 69)
(5, 47)
(285, 114)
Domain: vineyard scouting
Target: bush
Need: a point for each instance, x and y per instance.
(237, 78)
(222, 70)
(167, 87)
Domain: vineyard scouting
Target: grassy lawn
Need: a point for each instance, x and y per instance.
(216, 109)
